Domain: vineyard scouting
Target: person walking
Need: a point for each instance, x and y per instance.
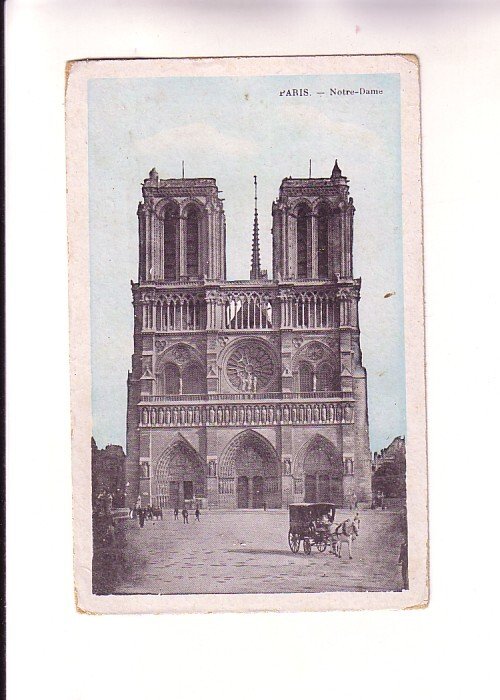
(382, 500)
(176, 513)
(197, 514)
(142, 515)
(185, 516)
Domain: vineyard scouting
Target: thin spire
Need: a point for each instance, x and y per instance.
(255, 272)
(183, 170)
(310, 168)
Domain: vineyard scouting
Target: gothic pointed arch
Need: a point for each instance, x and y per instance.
(319, 464)
(315, 353)
(306, 376)
(169, 215)
(179, 473)
(193, 214)
(323, 226)
(250, 462)
(303, 242)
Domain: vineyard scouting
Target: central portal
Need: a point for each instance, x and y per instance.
(252, 461)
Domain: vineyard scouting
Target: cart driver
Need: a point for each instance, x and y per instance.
(312, 526)
(326, 519)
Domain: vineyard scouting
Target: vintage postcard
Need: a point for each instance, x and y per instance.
(247, 338)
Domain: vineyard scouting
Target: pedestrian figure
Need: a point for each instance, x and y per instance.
(403, 560)
(176, 513)
(142, 515)
(185, 516)
(355, 523)
(197, 513)
(265, 506)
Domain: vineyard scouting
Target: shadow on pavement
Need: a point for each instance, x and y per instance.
(282, 552)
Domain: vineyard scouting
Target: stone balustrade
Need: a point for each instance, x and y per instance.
(259, 396)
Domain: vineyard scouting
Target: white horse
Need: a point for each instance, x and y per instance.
(345, 532)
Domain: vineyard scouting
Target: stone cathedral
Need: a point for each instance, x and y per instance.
(249, 392)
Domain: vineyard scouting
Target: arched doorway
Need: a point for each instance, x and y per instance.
(179, 475)
(321, 466)
(251, 464)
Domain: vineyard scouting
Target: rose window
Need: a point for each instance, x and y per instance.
(250, 367)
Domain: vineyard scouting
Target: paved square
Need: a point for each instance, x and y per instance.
(247, 552)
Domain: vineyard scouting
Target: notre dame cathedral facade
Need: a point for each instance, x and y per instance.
(249, 392)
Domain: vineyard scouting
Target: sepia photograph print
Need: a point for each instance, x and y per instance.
(247, 342)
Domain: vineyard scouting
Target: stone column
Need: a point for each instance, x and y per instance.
(161, 249)
(182, 247)
(283, 233)
(331, 244)
(210, 242)
(212, 482)
(155, 248)
(343, 250)
(291, 246)
(287, 495)
(308, 245)
(349, 226)
(148, 244)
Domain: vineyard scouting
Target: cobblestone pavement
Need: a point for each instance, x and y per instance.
(247, 552)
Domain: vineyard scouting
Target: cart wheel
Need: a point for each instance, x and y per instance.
(294, 542)
(321, 545)
(307, 546)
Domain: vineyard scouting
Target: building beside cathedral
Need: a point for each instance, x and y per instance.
(251, 391)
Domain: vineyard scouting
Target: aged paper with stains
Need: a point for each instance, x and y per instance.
(247, 338)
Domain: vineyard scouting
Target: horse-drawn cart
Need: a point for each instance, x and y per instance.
(309, 524)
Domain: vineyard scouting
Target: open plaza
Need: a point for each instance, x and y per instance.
(246, 551)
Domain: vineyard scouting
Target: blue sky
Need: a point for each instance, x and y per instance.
(231, 129)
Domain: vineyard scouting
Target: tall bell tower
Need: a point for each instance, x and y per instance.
(312, 256)
(182, 230)
(312, 228)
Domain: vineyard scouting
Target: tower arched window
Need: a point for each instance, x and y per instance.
(171, 379)
(325, 377)
(192, 242)
(323, 252)
(302, 231)
(170, 234)
(305, 377)
(193, 379)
